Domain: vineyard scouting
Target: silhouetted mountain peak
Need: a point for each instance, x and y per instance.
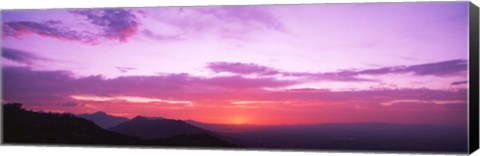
(103, 119)
(100, 113)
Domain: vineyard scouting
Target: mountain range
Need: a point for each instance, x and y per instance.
(21, 126)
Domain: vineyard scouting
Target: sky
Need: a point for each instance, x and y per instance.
(265, 64)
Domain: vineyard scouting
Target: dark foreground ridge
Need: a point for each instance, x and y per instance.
(28, 127)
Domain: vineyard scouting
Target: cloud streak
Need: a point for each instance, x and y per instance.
(125, 69)
(21, 56)
(443, 68)
(459, 82)
(160, 37)
(128, 99)
(241, 68)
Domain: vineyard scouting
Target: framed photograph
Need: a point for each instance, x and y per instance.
(398, 77)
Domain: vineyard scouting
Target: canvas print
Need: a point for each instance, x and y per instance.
(321, 77)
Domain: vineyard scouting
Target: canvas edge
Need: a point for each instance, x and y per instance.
(473, 114)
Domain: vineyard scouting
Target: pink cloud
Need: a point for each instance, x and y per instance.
(25, 84)
(18, 29)
(114, 25)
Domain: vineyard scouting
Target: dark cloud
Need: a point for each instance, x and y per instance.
(241, 68)
(21, 56)
(51, 29)
(23, 84)
(116, 24)
(150, 34)
(250, 68)
(459, 82)
(125, 69)
(439, 68)
(444, 68)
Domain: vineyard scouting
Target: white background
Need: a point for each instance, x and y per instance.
(63, 151)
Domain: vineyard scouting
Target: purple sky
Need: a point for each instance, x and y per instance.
(247, 52)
